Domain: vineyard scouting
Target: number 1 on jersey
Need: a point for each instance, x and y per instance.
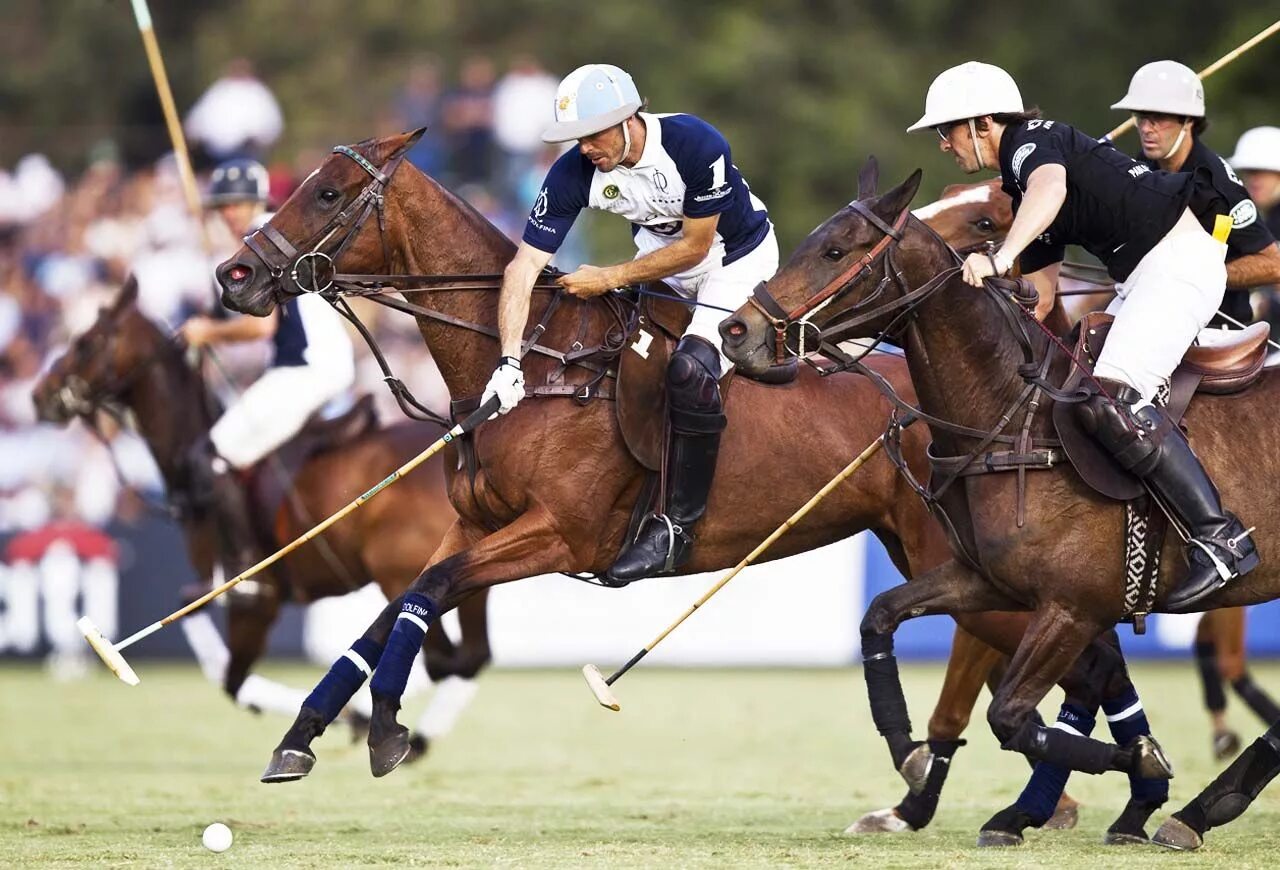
(717, 173)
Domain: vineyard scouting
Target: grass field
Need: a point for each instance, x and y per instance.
(700, 769)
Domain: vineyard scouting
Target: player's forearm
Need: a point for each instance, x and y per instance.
(513, 305)
(662, 263)
(1254, 270)
(1039, 207)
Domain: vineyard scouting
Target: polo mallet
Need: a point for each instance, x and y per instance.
(601, 687)
(111, 653)
(1205, 73)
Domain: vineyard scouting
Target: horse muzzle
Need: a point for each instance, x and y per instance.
(744, 338)
(244, 288)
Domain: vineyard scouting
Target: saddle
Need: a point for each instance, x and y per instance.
(270, 481)
(1221, 363)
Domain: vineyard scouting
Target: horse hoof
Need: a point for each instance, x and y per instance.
(915, 769)
(1226, 744)
(418, 746)
(390, 753)
(1175, 834)
(1064, 818)
(880, 822)
(288, 765)
(1150, 761)
(998, 839)
(1120, 838)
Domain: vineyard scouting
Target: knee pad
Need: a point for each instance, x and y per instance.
(693, 388)
(1133, 439)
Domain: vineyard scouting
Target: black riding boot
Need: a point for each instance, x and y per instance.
(664, 543)
(215, 492)
(1154, 449)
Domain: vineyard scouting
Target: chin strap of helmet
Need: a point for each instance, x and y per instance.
(1177, 143)
(973, 137)
(626, 139)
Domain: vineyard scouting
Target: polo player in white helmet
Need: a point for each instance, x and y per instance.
(1257, 159)
(696, 225)
(1166, 99)
(1145, 226)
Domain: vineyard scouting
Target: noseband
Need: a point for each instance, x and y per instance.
(782, 320)
(280, 256)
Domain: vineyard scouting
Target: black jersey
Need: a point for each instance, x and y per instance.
(1116, 208)
(1249, 232)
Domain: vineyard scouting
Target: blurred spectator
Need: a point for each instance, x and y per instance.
(418, 104)
(467, 112)
(237, 116)
(522, 109)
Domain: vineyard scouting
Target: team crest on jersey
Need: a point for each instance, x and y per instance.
(1019, 157)
(1243, 214)
(1037, 123)
(540, 204)
(1139, 169)
(611, 191)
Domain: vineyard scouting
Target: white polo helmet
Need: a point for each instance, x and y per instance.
(1258, 148)
(969, 90)
(590, 99)
(1165, 86)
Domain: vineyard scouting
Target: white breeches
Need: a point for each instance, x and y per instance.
(1162, 306)
(273, 409)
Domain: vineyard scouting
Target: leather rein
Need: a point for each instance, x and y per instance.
(309, 268)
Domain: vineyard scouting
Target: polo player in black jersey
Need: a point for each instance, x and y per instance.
(1145, 226)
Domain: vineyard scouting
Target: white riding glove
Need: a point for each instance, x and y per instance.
(507, 383)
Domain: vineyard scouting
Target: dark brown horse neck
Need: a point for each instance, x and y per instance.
(962, 352)
(168, 398)
(430, 231)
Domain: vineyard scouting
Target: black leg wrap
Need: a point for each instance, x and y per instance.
(1228, 796)
(1215, 699)
(917, 809)
(1257, 699)
(1067, 750)
(884, 687)
(1132, 820)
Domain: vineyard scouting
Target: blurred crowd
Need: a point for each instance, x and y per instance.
(67, 243)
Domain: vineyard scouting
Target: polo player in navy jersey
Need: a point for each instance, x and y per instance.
(696, 225)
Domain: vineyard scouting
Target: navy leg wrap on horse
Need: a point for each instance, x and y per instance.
(884, 691)
(344, 679)
(416, 613)
(1039, 799)
(1128, 721)
(1228, 796)
(1215, 699)
(1258, 700)
(917, 809)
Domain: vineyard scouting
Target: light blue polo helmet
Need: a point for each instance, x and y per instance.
(592, 98)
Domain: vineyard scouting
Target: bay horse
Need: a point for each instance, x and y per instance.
(125, 362)
(874, 269)
(970, 215)
(555, 485)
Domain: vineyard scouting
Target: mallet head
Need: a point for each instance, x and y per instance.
(110, 656)
(600, 688)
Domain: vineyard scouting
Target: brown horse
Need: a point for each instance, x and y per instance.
(1060, 560)
(124, 361)
(556, 485)
(968, 216)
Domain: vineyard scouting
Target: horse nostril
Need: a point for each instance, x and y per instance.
(239, 273)
(733, 330)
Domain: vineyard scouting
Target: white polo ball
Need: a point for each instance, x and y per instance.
(217, 837)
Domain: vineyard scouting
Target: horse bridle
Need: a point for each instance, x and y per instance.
(280, 256)
(837, 287)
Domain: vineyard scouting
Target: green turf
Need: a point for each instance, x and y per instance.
(700, 769)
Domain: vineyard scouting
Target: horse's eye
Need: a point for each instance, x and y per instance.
(834, 254)
(987, 225)
(327, 195)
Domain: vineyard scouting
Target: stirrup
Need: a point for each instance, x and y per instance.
(673, 530)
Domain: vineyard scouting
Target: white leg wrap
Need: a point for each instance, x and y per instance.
(452, 695)
(270, 696)
(207, 644)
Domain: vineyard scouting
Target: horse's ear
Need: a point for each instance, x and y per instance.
(868, 178)
(399, 145)
(128, 294)
(895, 201)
